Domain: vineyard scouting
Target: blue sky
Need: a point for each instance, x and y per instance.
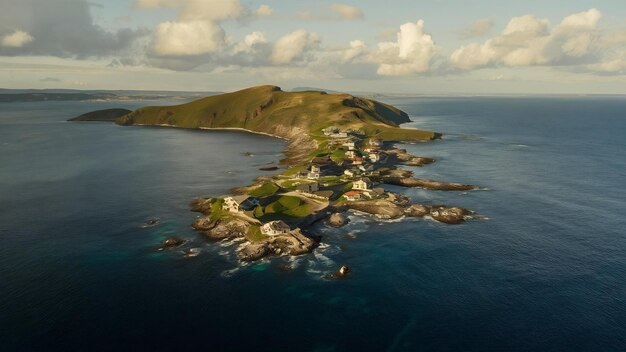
(423, 47)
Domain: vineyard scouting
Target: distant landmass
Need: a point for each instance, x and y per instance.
(35, 95)
(270, 110)
(102, 115)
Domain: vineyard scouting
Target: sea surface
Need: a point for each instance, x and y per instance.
(546, 272)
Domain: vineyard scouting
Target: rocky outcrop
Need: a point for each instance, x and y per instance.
(381, 208)
(337, 220)
(222, 228)
(425, 183)
(341, 273)
(171, 242)
(441, 213)
(201, 205)
(454, 215)
(293, 243)
(417, 210)
(418, 161)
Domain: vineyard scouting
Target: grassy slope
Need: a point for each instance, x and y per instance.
(268, 109)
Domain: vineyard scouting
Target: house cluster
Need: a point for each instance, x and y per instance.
(238, 204)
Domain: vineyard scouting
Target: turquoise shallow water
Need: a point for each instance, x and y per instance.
(546, 272)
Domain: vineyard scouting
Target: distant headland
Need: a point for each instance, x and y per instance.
(340, 148)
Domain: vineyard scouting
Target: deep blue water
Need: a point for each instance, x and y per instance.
(547, 272)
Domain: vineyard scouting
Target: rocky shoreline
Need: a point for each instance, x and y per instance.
(216, 225)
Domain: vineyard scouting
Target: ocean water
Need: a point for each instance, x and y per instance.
(546, 272)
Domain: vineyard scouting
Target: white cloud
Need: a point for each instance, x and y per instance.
(338, 12)
(264, 11)
(478, 28)
(411, 53)
(187, 38)
(293, 46)
(249, 43)
(347, 12)
(16, 39)
(528, 41)
(357, 48)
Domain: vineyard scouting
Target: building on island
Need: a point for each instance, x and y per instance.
(350, 154)
(236, 204)
(314, 172)
(373, 157)
(375, 142)
(350, 145)
(308, 187)
(339, 135)
(274, 228)
(357, 161)
(329, 131)
(362, 184)
(352, 196)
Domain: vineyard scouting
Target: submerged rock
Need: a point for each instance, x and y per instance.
(337, 220)
(150, 223)
(341, 273)
(192, 252)
(171, 243)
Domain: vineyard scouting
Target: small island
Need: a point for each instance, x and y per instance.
(341, 148)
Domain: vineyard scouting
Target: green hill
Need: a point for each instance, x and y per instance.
(268, 109)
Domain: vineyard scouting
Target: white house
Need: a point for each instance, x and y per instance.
(350, 154)
(352, 196)
(350, 145)
(373, 157)
(314, 173)
(239, 203)
(375, 142)
(339, 135)
(274, 228)
(363, 184)
(230, 204)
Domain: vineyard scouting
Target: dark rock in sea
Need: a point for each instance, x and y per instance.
(247, 154)
(341, 273)
(171, 243)
(150, 223)
(454, 215)
(192, 252)
(102, 115)
(417, 210)
(270, 168)
(337, 220)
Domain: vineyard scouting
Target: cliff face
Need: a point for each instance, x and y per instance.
(270, 110)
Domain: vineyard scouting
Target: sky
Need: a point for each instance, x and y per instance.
(393, 46)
